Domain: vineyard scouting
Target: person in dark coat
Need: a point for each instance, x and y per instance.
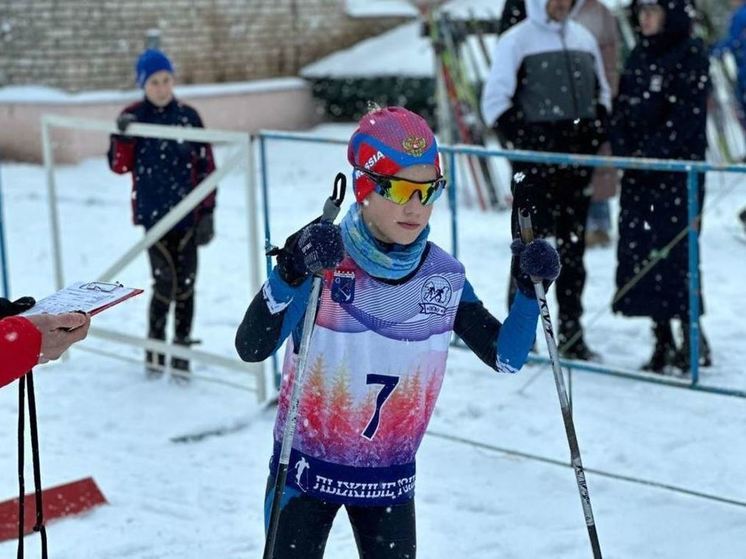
(164, 172)
(547, 91)
(660, 112)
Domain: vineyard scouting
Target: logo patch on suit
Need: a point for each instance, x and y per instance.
(343, 287)
(436, 294)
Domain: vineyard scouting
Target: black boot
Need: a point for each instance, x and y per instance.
(155, 362)
(572, 345)
(664, 352)
(682, 359)
(180, 369)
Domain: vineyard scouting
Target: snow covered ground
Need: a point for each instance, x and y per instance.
(99, 416)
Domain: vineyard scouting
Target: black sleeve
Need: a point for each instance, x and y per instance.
(508, 127)
(479, 329)
(259, 331)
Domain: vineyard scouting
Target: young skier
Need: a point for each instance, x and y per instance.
(390, 302)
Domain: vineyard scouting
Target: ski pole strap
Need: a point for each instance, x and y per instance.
(39, 524)
(21, 482)
(334, 202)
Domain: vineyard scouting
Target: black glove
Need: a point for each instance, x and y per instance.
(509, 127)
(537, 259)
(124, 120)
(8, 308)
(601, 124)
(205, 230)
(318, 246)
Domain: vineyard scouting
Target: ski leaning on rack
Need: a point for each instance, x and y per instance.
(455, 108)
(725, 132)
(461, 83)
(479, 54)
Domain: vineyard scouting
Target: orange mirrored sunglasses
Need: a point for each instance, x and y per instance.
(400, 190)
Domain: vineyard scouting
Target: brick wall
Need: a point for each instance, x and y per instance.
(82, 45)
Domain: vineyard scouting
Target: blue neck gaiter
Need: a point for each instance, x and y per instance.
(380, 260)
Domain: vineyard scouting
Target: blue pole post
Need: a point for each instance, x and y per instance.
(267, 244)
(452, 202)
(3, 259)
(693, 236)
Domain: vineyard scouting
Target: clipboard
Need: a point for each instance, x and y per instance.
(91, 297)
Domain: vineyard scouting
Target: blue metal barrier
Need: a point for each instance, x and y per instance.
(691, 168)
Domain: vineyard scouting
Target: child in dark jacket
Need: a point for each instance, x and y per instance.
(164, 172)
(390, 302)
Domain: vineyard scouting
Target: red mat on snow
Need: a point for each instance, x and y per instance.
(60, 501)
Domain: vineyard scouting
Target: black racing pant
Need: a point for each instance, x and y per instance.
(558, 198)
(173, 263)
(380, 532)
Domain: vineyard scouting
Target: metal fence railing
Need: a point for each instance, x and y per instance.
(691, 168)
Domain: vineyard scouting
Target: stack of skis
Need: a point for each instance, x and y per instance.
(725, 135)
(462, 52)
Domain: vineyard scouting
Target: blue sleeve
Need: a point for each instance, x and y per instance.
(468, 295)
(736, 35)
(517, 334)
(296, 310)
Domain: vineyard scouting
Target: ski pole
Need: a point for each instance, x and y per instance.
(331, 209)
(527, 235)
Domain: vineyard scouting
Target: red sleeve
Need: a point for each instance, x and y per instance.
(121, 154)
(20, 346)
(122, 148)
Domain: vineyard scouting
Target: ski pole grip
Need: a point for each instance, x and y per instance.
(524, 223)
(333, 203)
(527, 232)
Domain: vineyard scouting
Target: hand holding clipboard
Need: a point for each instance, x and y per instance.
(88, 297)
(64, 317)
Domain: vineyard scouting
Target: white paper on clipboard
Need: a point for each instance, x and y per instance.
(91, 297)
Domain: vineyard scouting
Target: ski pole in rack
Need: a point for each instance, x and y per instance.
(527, 235)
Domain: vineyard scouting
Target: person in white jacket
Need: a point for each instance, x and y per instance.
(547, 91)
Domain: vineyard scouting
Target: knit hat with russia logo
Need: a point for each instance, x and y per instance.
(386, 141)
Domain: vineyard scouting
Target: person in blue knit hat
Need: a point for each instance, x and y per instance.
(164, 172)
(151, 62)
